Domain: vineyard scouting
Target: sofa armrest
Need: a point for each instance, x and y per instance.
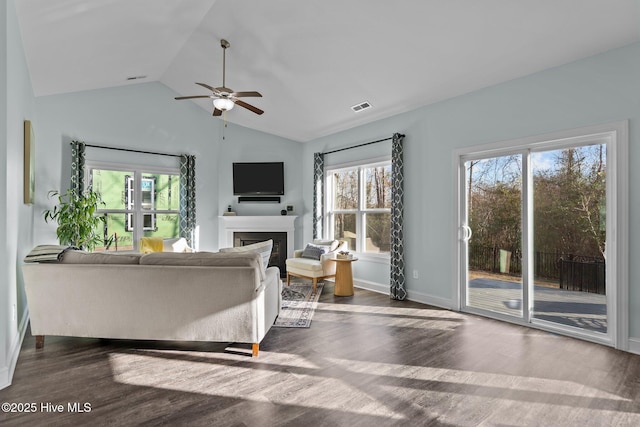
(298, 253)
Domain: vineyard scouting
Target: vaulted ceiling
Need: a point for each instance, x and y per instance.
(313, 60)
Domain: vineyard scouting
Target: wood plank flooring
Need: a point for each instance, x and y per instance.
(365, 361)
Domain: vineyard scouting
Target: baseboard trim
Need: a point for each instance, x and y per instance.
(430, 300)
(411, 295)
(380, 288)
(634, 345)
(6, 373)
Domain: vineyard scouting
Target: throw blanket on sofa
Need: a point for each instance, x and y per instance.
(47, 253)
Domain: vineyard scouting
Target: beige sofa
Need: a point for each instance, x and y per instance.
(158, 296)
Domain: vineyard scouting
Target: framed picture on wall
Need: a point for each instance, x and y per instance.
(29, 163)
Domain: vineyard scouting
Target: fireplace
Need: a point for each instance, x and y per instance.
(279, 251)
(243, 230)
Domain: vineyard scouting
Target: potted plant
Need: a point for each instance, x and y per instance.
(75, 215)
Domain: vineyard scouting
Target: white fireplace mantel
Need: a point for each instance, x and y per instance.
(227, 225)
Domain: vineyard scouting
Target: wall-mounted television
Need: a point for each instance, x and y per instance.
(258, 178)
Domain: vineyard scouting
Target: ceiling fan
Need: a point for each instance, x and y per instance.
(224, 98)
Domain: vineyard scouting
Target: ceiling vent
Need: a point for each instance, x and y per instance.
(361, 107)
(136, 77)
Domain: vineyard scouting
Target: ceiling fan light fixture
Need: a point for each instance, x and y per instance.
(223, 104)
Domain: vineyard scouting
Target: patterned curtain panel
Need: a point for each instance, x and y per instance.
(397, 280)
(187, 197)
(77, 166)
(318, 194)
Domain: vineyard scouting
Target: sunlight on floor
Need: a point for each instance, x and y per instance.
(295, 384)
(484, 379)
(362, 387)
(388, 316)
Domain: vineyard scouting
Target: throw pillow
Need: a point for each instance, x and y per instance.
(333, 244)
(177, 244)
(151, 244)
(312, 252)
(262, 248)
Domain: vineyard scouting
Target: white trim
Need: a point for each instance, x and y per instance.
(6, 374)
(381, 288)
(622, 233)
(414, 296)
(377, 258)
(349, 165)
(615, 135)
(633, 345)
(429, 299)
(227, 225)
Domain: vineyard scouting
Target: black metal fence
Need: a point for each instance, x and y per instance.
(573, 272)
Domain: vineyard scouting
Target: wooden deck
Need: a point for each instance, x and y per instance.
(572, 308)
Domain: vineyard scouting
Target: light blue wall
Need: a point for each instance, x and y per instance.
(146, 117)
(596, 90)
(5, 305)
(16, 218)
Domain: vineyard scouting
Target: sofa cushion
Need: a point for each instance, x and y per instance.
(82, 257)
(262, 248)
(304, 264)
(205, 259)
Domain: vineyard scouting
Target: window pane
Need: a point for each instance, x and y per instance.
(377, 183)
(345, 184)
(378, 237)
(164, 225)
(163, 190)
(344, 226)
(112, 187)
(114, 233)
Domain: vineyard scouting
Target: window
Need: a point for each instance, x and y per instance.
(137, 202)
(359, 206)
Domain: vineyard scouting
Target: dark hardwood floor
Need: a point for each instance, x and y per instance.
(365, 361)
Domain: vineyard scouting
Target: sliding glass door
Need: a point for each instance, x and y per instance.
(494, 234)
(570, 234)
(533, 234)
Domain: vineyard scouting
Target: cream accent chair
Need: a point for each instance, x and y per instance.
(315, 269)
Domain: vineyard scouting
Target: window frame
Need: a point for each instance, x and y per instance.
(139, 172)
(361, 212)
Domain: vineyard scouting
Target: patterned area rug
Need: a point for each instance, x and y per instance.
(298, 305)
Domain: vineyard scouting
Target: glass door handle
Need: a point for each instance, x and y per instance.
(466, 233)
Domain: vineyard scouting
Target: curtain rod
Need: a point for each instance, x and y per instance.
(130, 150)
(360, 145)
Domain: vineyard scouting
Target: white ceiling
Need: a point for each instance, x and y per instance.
(312, 60)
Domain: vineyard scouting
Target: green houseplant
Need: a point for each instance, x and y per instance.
(75, 215)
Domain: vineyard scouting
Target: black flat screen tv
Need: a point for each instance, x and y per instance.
(258, 178)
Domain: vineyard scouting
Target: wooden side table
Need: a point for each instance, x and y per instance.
(344, 277)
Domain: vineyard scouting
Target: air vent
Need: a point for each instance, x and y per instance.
(361, 107)
(136, 77)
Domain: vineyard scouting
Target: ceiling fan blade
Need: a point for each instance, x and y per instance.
(249, 107)
(195, 96)
(211, 88)
(245, 94)
(217, 112)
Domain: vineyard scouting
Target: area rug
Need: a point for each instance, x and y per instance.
(298, 305)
